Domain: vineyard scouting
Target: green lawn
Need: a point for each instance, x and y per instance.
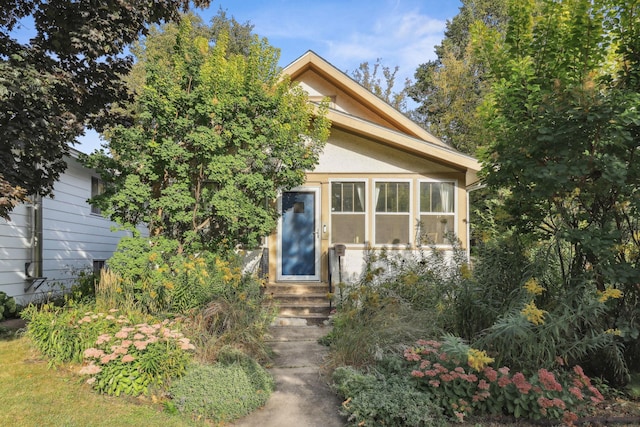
(31, 394)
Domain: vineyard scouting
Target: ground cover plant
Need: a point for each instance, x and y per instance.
(160, 315)
(524, 362)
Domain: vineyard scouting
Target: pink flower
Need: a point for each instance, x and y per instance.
(417, 374)
(138, 336)
(108, 358)
(483, 385)
(140, 345)
(122, 334)
(110, 317)
(90, 369)
(576, 392)
(434, 383)
(103, 339)
(446, 378)
(490, 373)
(568, 418)
(504, 370)
(521, 383)
(425, 364)
(548, 380)
(93, 352)
(128, 358)
(504, 381)
(126, 343)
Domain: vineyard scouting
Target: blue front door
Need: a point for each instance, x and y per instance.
(298, 236)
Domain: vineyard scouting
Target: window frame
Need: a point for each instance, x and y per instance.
(365, 212)
(409, 213)
(420, 213)
(100, 190)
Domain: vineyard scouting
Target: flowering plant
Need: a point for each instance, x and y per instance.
(461, 379)
(136, 357)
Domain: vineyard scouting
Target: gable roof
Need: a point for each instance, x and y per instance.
(391, 128)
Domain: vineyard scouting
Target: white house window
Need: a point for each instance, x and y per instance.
(392, 225)
(97, 188)
(437, 211)
(348, 212)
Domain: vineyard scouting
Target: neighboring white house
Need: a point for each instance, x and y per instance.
(49, 241)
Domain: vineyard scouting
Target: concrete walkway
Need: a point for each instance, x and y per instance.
(302, 397)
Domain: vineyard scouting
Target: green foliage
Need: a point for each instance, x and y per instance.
(368, 77)
(64, 333)
(215, 137)
(224, 391)
(379, 399)
(150, 275)
(461, 380)
(136, 357)
(449, 89)
(8, 307)
(65, 77)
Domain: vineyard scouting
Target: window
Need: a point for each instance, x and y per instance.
(98, 264)
(392, 200)
(97, 188)
(437, 211)
(348, 212)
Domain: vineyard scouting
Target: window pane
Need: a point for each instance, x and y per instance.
(433, 228)
(347, 197)
(425, 197)
(336, 197)
(359, 197)
(381, 197)
(347, 228)
(392, 197)
(392, 229)
(437, 197)
(403, 197)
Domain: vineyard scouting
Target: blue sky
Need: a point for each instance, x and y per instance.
(344, 32)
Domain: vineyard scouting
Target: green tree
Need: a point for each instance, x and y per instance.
(449, 89)
(368, 77)
(565, 130)
(216, 136)
(64, 78)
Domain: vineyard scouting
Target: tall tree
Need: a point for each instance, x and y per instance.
(565, 131)
(64, 78)
(449, 89)
(216, 136)
(368, 77)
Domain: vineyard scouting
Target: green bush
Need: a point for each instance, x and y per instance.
(389, 399)
(8, 307)
(64, 333)
(136, 357)
(224, 391)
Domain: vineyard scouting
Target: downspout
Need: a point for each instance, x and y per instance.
(33, 268)
(473, 187)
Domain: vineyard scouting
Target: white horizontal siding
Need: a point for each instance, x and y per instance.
(72, 237)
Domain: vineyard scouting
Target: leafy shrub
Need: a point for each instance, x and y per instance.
(224, 391)
(461, 380)
(8, 307)
(136, 357)
(152, 276)
(64, 333)
(378, 399)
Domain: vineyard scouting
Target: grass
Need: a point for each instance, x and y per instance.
(32, 394)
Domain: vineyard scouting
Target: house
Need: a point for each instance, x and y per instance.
(381, 181)
(49, 241)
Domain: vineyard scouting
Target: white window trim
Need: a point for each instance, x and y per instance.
(366, 211)
(410, 243)
(456, 213)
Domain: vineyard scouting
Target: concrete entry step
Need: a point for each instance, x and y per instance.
(301, 300)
